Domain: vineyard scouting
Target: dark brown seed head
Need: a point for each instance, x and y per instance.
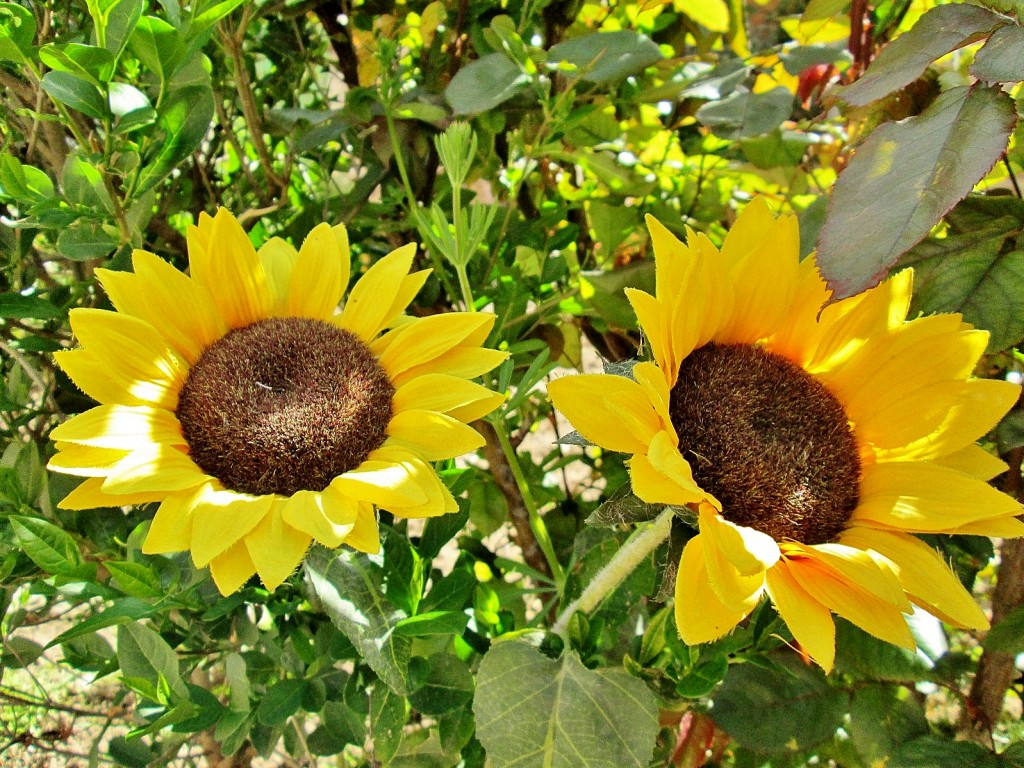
(770, 442)
(283, 405)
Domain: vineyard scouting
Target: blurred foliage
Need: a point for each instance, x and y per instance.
(122, 120)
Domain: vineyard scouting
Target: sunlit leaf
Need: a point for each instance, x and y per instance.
(607, 56)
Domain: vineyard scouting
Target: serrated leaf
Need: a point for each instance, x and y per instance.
(941, 30)
(1001, 59)
(46, 545)
(605, 57)
(536, 712)
(485, 83)
(904, 178)
(142, 653)
(387, 719)
(350, 587)
(865, 657)
(970, 273)
(779, 709)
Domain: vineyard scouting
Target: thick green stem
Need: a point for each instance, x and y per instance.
(643, 541)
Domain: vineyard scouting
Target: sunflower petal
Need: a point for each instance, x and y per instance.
(384, 481)
(649, 313)
(810, 622)
(750, 552)
(327, 517)
(584, 401)
(154, 468)
(464, 362)
(85, 461)
(700, 616)
(122, 427)
(278, 258)
(316, 284)
(89, 495)
(464, 400)
(232, 568)
(222, 518)
(373, 295)
(428, 338)
(434, 436)
(365, 536)
(171, 529)
(661, 478)
(276, 548)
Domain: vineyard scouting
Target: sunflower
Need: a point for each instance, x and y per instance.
(259, 417)
(812, 449)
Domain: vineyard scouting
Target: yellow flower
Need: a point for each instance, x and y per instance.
(812, 449)
(256, 415)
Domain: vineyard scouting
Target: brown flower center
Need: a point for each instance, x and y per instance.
(768, 440)
(284, 405)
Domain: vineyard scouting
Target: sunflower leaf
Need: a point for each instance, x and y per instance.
(624, 508)
(350, 587)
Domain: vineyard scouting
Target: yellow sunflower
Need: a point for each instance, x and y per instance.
(812, 449)
(259, 417)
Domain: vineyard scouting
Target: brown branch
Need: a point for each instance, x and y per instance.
(996, 670)
(533, 556)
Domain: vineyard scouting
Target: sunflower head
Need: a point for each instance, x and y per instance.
(257, 414)
(812, 443)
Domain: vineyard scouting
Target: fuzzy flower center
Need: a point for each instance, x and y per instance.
(284, 405)
(768, 440)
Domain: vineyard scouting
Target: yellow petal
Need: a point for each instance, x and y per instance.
(365, 537)
(85, 461)
(655, 385)
(636, 415)
(385, 482)
(752, 231)
(328, 516)
(923, 573)
(649, 314)
(222, 518)
(709, 301)
(428, 338)
(464, 362)
(407, 290)
(278, 259)
(434, 436)
(122, 427)
(671, 258)
(661, 478)
(997, 527)
(229, 268)
(922, 497)
(736, 591)
(700, 616)
(583, 400)
(89, 495)
(276, 549)
(374, 293)
(863, 567)
(232, 568)
(975, 461)
(171, 529)
(440, 392)
(835, 591)
(750, 552)
(798, 332)
(316, 285)
(810, 622)
(154, 468)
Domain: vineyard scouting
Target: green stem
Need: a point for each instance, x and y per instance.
(643, 541)
(540, 530)
(467, 291)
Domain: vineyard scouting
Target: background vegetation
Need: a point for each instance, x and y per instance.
(122, 120)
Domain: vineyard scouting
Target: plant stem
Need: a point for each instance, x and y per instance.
(540, 530)
(643, 541)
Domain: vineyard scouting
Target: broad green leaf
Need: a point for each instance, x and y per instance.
(603, 291)
(882, 717)
(185, 118)
(339, 727)
(605, 57)
(142, 653)
(15, 305)
(350, 587)
(941, 30)
(448, 686)
(131, 753)
(46, 545)
(119, 611)
(23, 182)
(485, 83)
(281, 701)
(1001, 59)
(17, 31)
(135, 579)
(972, 273)
(779, 709)
(121, 19)
(438, 531)
(204, 22)
(84, 242)
(936, 752)
(742, 114)
(623, 508)
(233, 729)
(704, 676)
(83, 184)
(158, 46)
(87, 62)
(18, 652)
(125, 99)
(387, 719)
(865, 657)
(904, 178)
(433, 623)
(75, 92)
(536, 712)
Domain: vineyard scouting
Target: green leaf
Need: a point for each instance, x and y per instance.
(46, 545)
(18, 652)
(704, 676)
(939, 31)
(158, 46)
(779, 709)
(83, 242)
(350, 587)
(1001, 59)
(125, 99)
(865, 657)
(433, 623)
(935, 752)
(603, 291)
(87, 62)
(1008, 635)
(449, 685)
(605, 57)
(142, 653)
(131, 753)
(135, 579)
(339, 727)
(75, 92)
(281, 701)
(14, 305)
(23, 182)
(387, 720)
(904, 178)
(742, 114)
(485, 83)
(972, 273)
(185, 118)
(121, 18)
(532, 711)
(882, 717)
(119, 611)
(205, 20)
(17, 31)
(83, 184)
